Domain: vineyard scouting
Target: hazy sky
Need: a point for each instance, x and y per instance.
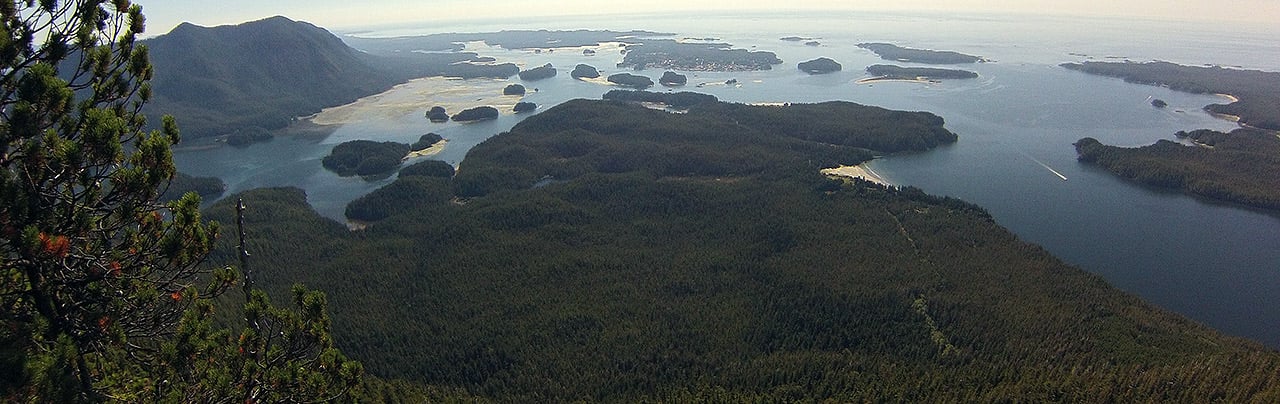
(163, 15)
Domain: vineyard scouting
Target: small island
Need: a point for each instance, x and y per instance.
(426, 142)
(1239, 166)
(672, 79)
(476, 114)
(365, 158)
(1159, 103)
(438, 114)
(901, 54)
(524, 106)
(513, 89)
(820, 66)
(718, 57)
(930, 74)
(631, 80)
(538, 73)
(584, 71)
(250, 135)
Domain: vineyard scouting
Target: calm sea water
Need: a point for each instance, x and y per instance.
(1216, 263)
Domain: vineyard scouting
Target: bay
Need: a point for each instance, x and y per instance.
(1213, 262)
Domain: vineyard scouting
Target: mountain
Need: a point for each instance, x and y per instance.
(262, 73)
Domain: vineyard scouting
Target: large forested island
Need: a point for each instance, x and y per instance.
(670, 54)
(1242, 166)
(603, 251)
(1257, 92)
(888, 51)
(892, 72)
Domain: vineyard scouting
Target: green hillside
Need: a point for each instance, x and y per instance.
(604, 251)
(1239, 166)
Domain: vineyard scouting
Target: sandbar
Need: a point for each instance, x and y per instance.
(858, 171)
(883, 79)
(430, 151)
(417, 96)
(1229, 97)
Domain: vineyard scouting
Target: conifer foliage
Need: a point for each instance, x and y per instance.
(102, 289)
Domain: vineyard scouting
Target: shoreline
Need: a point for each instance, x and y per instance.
(416, 96)
(888, 79)
(857, 171)
(1229, 97)
(430, 151)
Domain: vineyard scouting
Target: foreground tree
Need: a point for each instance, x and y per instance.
(103, 292)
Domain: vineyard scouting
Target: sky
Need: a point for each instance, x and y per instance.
(163, 15)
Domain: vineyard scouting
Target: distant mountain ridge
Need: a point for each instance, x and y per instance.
(217, 80)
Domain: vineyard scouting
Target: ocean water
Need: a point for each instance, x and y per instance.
(1216, 263)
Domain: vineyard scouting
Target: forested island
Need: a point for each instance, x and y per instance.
(819, 66)
(513, 89)
(368, 158)
(631, 80)
(584, 71)
(438, 114)
(365, 158)
(670, 79)
(482, 113)
(524, 106)
(1257, 92)
(897, 53)
(1240, 166)
(720, 57)
(538, 73)
(892, 72)
(646, 272)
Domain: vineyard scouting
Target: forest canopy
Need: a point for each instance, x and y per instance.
(604, 251)
(1239, 166)
(893, 52)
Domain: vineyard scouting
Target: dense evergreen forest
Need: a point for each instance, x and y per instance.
(1258, 91)
(1239, 166)
(365, 158)
(603, 251)
(893, 52)
(682, 99)
(672, 54)
(911, 73)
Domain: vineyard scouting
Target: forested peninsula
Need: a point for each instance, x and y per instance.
(1257, 92)
(603, 251)
(1240, 166)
